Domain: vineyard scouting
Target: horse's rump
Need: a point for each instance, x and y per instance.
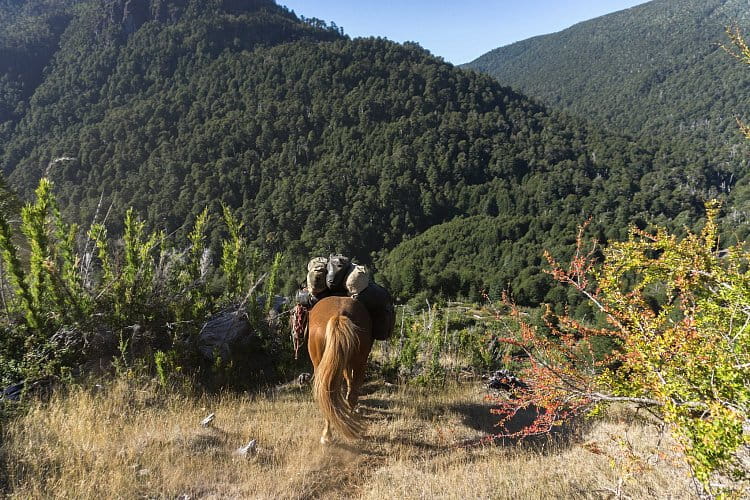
(339, 342)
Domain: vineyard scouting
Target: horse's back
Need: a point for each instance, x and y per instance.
(331, 307)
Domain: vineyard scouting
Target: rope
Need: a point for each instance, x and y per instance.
(299, 327)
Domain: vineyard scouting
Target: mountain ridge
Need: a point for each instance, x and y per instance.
(653, 69)
(322, 143)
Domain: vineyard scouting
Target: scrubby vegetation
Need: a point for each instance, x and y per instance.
(676, 313)
(74, 300)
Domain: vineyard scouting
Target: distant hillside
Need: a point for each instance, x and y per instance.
(29, 34)
(321, 142)
(9, 204)
(655, 70)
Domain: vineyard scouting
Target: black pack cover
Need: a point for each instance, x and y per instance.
(379, 304)
(339, 268)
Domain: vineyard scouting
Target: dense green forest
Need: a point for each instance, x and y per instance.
(29, 37)
(442, 178)
(656, 71)
(9, 203)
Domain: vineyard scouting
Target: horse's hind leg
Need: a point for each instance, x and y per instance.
(356, 372)
(326, 437)
(351, 388)
(355, 384)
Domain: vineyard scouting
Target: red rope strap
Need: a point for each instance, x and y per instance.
(299, 327)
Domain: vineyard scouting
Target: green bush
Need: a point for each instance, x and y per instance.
(438, 342)
(72, 297)
(676, 340)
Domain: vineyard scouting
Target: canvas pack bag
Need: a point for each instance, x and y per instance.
(337, 275)
(357, 280)
(316, 275)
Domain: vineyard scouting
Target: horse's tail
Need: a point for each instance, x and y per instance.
(341, 346)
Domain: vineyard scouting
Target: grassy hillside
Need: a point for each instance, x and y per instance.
(126, 440)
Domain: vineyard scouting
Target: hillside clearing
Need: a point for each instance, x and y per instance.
(129, 441)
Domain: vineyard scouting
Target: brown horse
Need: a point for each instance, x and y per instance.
(339, 343)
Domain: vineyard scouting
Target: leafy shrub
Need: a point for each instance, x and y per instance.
(684, 356)
(439, 342)
(69, 298)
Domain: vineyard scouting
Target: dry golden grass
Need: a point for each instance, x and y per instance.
(128, 442)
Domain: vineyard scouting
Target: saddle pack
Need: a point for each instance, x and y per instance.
(337, 275)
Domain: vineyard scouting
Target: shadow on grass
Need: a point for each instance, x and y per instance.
(336, 468)
(480, 417)
(370, 387)
(373, 410)
(477, 416)
(412, 443)
(376, 404)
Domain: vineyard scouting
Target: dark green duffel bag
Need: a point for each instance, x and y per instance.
(379, 304)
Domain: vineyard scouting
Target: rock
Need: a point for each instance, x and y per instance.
(304, 379)
(223, 334)
(208, 421)
(248, 450)
(134, 14)
(13, 392)
(505, 381)
(41, 387)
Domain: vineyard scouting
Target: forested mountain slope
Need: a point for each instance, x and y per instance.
(29, 34)
(9, 204)
(656, 70)
(321, 142)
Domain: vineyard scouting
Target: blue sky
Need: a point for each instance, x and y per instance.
(459, 30)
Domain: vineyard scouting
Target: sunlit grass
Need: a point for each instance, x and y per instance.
(131, 440)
